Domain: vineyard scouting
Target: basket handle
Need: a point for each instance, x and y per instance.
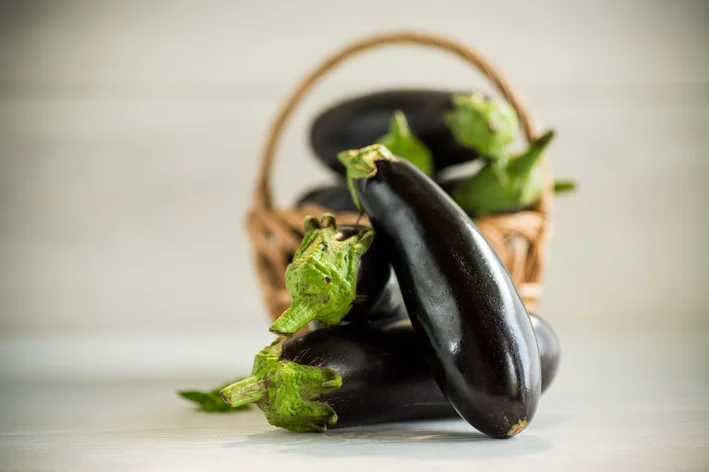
(262, 197)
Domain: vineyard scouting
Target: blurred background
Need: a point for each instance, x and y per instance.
(129, 136)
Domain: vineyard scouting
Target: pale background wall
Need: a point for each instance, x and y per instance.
(129, 131)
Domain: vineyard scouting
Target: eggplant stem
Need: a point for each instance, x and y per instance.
(564, 186)
(360, 215)
(525, 163)
(299, 314)
(249, 390)
(361, 164)
(286, 391)
(322, 277)
(398, 125)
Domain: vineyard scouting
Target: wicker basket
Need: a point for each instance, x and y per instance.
(520, 239)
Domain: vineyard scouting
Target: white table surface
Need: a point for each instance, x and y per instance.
(628, 400)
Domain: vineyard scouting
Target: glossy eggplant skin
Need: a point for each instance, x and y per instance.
(460, 297)
(549, 349)
(385, 376)
(334, 197)
(378, 295)
(360, 121)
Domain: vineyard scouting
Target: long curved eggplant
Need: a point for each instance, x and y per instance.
(354, 375)
(461, 299)
(362, 120)
(337, 272)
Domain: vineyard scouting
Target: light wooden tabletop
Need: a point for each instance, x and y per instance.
(623, 400)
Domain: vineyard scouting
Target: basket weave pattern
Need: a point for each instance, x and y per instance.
(520, 239)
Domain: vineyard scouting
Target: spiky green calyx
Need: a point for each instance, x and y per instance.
(487, 125)
(285, 391)
(401, 142)
(322, 278)
(496, 188)
(362, 164)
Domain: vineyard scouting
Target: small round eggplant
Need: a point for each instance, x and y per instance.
(356, 375)
(337, 272)
(335, 198)
(362, 120)
(461, 299)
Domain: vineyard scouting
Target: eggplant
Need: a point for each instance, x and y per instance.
(334, 197)
(463, 304)
(336, 272)
(362, 120)
(343, 376)
(549, 349)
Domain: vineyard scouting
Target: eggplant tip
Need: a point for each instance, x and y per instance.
(517, 428)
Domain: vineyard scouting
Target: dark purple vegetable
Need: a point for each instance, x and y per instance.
(378, 295)
(362, 120)
(384, 376)
(463, 305)
(549, 349)
(352, 375)
(334, 197)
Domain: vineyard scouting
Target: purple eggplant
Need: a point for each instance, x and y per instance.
(353, 375)
(363, 120)
(469, 318)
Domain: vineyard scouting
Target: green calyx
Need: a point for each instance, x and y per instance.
(362, 164)
(484, 124)
(402, 143)
(322, 278)
(285, 391)
(209, 401)
(499, 187)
